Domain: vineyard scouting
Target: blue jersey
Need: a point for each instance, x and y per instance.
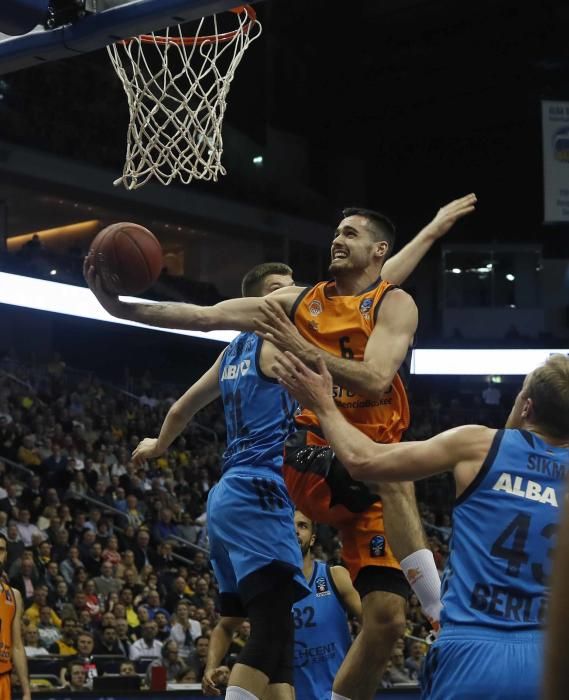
(504, 527)
(258, 411)
(321, 636)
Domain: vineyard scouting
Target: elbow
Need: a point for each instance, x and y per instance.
(357, 466)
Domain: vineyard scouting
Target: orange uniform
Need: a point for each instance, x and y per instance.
(318, 484)
(7, 614)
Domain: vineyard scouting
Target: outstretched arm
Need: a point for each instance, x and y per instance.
(462, 449)
(233, 314)
(198, 396)
(219, 643)
(385, 351)
(398, 268)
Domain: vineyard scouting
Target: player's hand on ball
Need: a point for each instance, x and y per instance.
(146, 449)
(448, 215)
(108, 301)
(312, 390)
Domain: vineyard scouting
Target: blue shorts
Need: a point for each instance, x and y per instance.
(469, 662)
(252, 539)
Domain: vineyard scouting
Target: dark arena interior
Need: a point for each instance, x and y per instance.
(402, 107)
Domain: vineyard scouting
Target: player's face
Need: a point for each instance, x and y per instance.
(304, 534)
(518, 414)
(274, 282)
(353, 247)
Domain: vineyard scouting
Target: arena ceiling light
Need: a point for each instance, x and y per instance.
(67, 299)
(76, 301)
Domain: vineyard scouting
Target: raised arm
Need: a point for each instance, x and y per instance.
(398, 268)
(385, 351)
(233, 314)
(198, 396)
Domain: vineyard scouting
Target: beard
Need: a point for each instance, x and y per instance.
(304, 548)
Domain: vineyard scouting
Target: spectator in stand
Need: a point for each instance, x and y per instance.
(28, 454)
(123, 639)
(127, 562)
(197, 659)
(67, 645)
(111, 552)
(107, 583)
(55, 464)
(108, 643)
(94, 559)
(188, 529)
(399, 673)
(33, 611)
(185, 630)
(26, 579)
(165, 528)
(85, 646)
(180, 591)
(169, 660)
(142, 553)
(241, 638)
(415, 659)
(75, 677)
(26, 529)
(162, 620)
(32, 644)
(200, 596)
(15, 546)
(127, 669)
(9, 504)
(127, 599)
(49, 632)
(70, 565)
(147, 646)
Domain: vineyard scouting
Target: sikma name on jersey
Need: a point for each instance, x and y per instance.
(525, 488)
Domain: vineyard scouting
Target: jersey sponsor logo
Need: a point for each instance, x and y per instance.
(315, 307)
(377, 546)
(303, 654)
(365, 307)
(235, 371)
(524, 488)
(322, 587)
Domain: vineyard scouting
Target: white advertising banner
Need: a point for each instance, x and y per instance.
(555, 129)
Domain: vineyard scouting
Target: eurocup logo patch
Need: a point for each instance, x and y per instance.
(365, 306)
(561, 145)
(315, 307)
(377, 546)
(322, 587)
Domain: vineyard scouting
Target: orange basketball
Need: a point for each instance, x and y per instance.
(127, 256)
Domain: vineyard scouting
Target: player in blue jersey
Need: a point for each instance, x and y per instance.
(510, 485)
(321, 632)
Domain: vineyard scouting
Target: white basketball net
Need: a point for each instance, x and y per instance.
(177, 95)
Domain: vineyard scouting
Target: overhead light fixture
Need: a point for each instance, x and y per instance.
(510, 277)
(53, 272)
(258, 161)
(456, 270)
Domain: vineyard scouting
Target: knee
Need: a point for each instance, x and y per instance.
(386, 625)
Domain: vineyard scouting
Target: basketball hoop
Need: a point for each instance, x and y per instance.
(177, 89)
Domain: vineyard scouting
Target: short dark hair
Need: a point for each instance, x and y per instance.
(253, 281)
(380, 226)
(548, 388)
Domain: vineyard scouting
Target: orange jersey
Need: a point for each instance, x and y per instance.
(7, 614)
(341, 325)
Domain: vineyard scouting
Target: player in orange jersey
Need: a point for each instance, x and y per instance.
(363, 318)
(12, 653)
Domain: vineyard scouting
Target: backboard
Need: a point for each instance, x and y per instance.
(94, 25)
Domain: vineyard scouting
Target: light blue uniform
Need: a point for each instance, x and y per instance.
(249, 513)
(494, 590)
(321, 637)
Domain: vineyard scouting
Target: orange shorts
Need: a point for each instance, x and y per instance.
(5, 686)
(323, 490)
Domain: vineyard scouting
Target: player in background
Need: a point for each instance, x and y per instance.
(12, 652)
(321, 632)
(510, 486)
(384, 605)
